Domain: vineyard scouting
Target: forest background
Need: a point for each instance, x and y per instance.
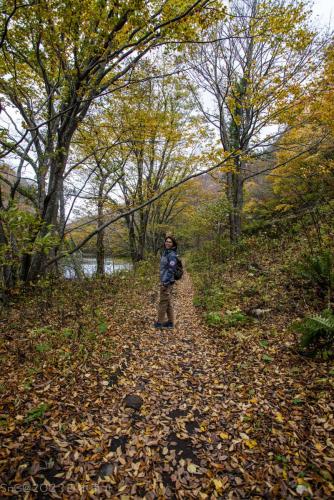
(122, 122)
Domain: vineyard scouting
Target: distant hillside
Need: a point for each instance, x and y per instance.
(7, 180)
(210, 183)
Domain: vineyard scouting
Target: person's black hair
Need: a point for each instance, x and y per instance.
(173, 240)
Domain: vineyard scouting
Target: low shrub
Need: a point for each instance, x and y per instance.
(317, 271)
(317, 331)
(235, 317)
(214, 318)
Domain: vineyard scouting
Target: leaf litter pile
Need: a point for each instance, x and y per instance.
(139, 413)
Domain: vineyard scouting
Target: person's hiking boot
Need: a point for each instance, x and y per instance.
(157, 324)
(168, 324)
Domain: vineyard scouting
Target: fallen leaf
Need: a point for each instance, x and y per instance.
(192, 468)
(223, 435)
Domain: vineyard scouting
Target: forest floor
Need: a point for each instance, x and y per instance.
(152, 414)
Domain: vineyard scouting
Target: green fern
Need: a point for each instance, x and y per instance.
(317, 269)
(316, 329)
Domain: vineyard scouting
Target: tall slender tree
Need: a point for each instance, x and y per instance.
(256, 70)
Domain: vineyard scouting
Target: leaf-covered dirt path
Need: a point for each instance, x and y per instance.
(172, 447)
(176, 414)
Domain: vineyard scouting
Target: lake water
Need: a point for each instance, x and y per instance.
(89, 265)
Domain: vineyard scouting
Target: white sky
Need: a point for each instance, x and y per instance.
(323, 10)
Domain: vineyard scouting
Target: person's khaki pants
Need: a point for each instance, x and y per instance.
(165, 304)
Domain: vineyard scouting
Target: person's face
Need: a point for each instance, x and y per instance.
(168, 243)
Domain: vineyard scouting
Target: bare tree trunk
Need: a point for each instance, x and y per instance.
(144, 215)
(9, 275)
(25, 266)
(132, 238)
(50, 211)
(100, 252)
(229, 194)
(235, 195)
(7, 270)
(62, 217)
(238, 206)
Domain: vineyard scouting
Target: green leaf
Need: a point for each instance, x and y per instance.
(297, 401)
(36, 413)
(43, 347)
(103, 327)
(68, 333)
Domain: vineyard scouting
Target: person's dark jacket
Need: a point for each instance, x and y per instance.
(167, 266)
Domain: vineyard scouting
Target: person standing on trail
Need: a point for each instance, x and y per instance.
(168, 263)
